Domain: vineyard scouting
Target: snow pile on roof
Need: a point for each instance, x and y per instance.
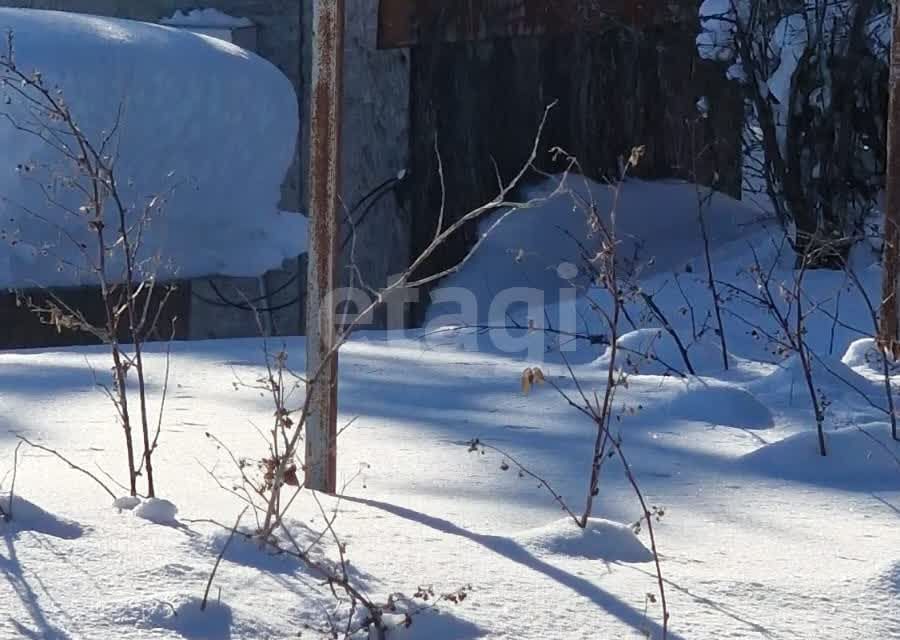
(209, 18)
(205, 120)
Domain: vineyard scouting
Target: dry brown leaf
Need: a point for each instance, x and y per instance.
(527, 380)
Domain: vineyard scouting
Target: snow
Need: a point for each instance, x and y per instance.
(126, 503)
(206, 18)
(156, 510)
(719, 404)
(750, 506)
(837, 377)
(213, 137)
(537, 248)
(758, 535)
(866, 358)
(27, 516)
(861, 456)
(654, 351)
(599, 540)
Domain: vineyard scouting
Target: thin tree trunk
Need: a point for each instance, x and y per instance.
(890, 310)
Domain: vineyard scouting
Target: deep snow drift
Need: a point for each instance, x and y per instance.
(214, 137)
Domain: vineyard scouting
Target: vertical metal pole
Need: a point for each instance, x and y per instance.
(324, 183)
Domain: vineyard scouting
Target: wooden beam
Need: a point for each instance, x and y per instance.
(409, 23)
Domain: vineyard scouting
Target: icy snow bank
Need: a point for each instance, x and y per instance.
(600, 540)
(200, 116)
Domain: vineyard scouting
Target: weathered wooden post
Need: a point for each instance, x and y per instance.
(324, 185)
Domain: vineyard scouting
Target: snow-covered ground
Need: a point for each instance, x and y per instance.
(761, 537)
(758, 535)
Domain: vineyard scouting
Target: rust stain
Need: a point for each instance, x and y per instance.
(324, 179)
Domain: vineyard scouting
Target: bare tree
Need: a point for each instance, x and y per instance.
(90, 193)
(812, 75)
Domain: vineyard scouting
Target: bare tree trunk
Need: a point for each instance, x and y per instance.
(890, 310)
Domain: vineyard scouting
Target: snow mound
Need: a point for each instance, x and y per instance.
(27, 516)
(156, 510)
(719, 404)
(830, 375)
(207, 126)
(864, 354)
(540, 247)
(246, 551)
(600, 540)
(696, 400)
(126, 503)
(857, 456)
(655, 352)
(183, 616)
(436, 624)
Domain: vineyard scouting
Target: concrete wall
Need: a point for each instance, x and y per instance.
(375, 143)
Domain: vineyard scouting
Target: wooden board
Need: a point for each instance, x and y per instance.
(408, 23)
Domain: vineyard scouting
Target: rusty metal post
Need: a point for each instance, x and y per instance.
(324, 185)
